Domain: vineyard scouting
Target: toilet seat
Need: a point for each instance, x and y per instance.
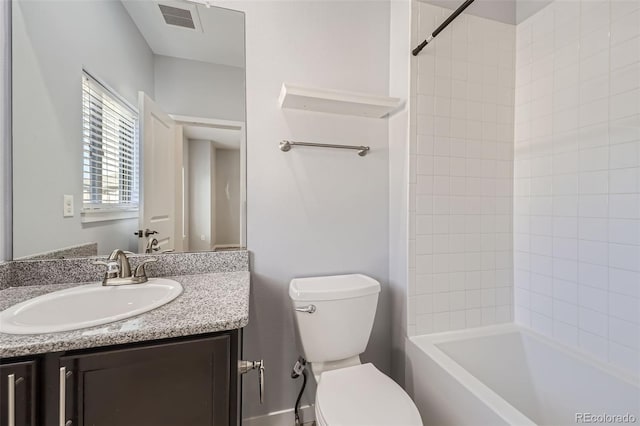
(362, 395)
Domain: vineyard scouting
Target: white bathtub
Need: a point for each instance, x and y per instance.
(508, 375)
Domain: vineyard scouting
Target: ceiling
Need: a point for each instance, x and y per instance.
(218, 37)
(221, 138)
(507, 11)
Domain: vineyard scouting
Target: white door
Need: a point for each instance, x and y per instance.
(158, 175)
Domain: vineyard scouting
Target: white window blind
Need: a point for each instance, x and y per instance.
(110, 149)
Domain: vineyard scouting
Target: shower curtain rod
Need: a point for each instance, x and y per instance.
(433, 35)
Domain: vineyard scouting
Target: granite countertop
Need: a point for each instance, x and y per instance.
(209, 303)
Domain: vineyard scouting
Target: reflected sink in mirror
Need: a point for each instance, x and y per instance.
(86, 306)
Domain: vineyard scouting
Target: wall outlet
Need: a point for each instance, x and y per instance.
(67, 206)
(203, 237)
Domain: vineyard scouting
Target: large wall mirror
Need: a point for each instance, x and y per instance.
(128, 127)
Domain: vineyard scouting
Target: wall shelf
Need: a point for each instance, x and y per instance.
(337, 101)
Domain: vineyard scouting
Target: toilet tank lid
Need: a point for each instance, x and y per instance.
(332, 287)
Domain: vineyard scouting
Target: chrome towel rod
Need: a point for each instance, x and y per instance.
(287, 145)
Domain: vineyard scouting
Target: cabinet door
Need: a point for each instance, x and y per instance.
(183, 383)
(18, 394)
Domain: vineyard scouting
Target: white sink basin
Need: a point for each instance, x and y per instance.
(86, 306)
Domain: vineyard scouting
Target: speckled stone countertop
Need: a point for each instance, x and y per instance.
(209, 303)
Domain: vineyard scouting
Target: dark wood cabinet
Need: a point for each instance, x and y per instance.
(175, 382)
(18, 391)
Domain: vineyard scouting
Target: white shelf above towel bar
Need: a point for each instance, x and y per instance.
(337, 101)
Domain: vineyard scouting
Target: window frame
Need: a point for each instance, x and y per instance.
(98, 212)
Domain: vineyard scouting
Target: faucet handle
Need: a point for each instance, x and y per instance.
(113, 269)
(140, 272)
(112, 266)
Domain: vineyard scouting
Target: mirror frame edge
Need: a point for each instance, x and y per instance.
(6, 168)
(6, 136)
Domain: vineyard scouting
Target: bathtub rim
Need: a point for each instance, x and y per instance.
(427, 343)
(432, 340)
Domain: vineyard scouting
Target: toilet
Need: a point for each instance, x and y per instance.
(334, 317)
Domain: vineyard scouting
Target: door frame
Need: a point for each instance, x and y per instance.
(183, 120)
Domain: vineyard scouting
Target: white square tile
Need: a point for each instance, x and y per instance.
(594, 229)
(593, 206)
(623, 8)
(423, 303)
(624, 256)
(593, 182)
(625, 53)
(594, 135)
(593, 16)
(593, 322)
(593, 275)
(625, 79)
(594, 66)
(594, 159)
(594, 41)
(594, 112)
(441, 321)
(624, 282)
(623, 181)
(565, 227)
(624, 333)
(624, 104)
(542, 324)
(565, 312)
(566, 291)
(541, 304)
(595, 252)
(624, 307)
(623, 155)
(624, 231)
(424, 324)
(624, 206)
(566, 248)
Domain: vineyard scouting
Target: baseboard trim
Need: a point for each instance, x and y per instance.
(281, 418)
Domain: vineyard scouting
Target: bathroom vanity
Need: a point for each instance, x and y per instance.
(175, 365)
(190, 381)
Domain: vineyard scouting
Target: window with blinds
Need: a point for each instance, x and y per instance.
(110, 150)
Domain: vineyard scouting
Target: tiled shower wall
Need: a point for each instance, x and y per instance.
(461, 173)
(577, 152)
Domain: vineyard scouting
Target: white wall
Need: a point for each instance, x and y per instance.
(201, 176)
(460, 252)
(199, 89)
(47, 102)
(311, 211)
(577, 181)
(227, 182)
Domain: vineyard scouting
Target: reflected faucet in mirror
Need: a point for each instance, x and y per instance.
(118, 270)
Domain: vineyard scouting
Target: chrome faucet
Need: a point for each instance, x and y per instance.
(119, 270)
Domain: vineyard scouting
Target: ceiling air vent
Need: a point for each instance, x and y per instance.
(176, 16)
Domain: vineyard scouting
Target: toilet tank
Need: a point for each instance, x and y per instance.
(343, 306)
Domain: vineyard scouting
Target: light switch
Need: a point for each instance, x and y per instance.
(68, 206)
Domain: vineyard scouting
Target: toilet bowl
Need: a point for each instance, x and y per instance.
(362, 395)
(334, 317)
